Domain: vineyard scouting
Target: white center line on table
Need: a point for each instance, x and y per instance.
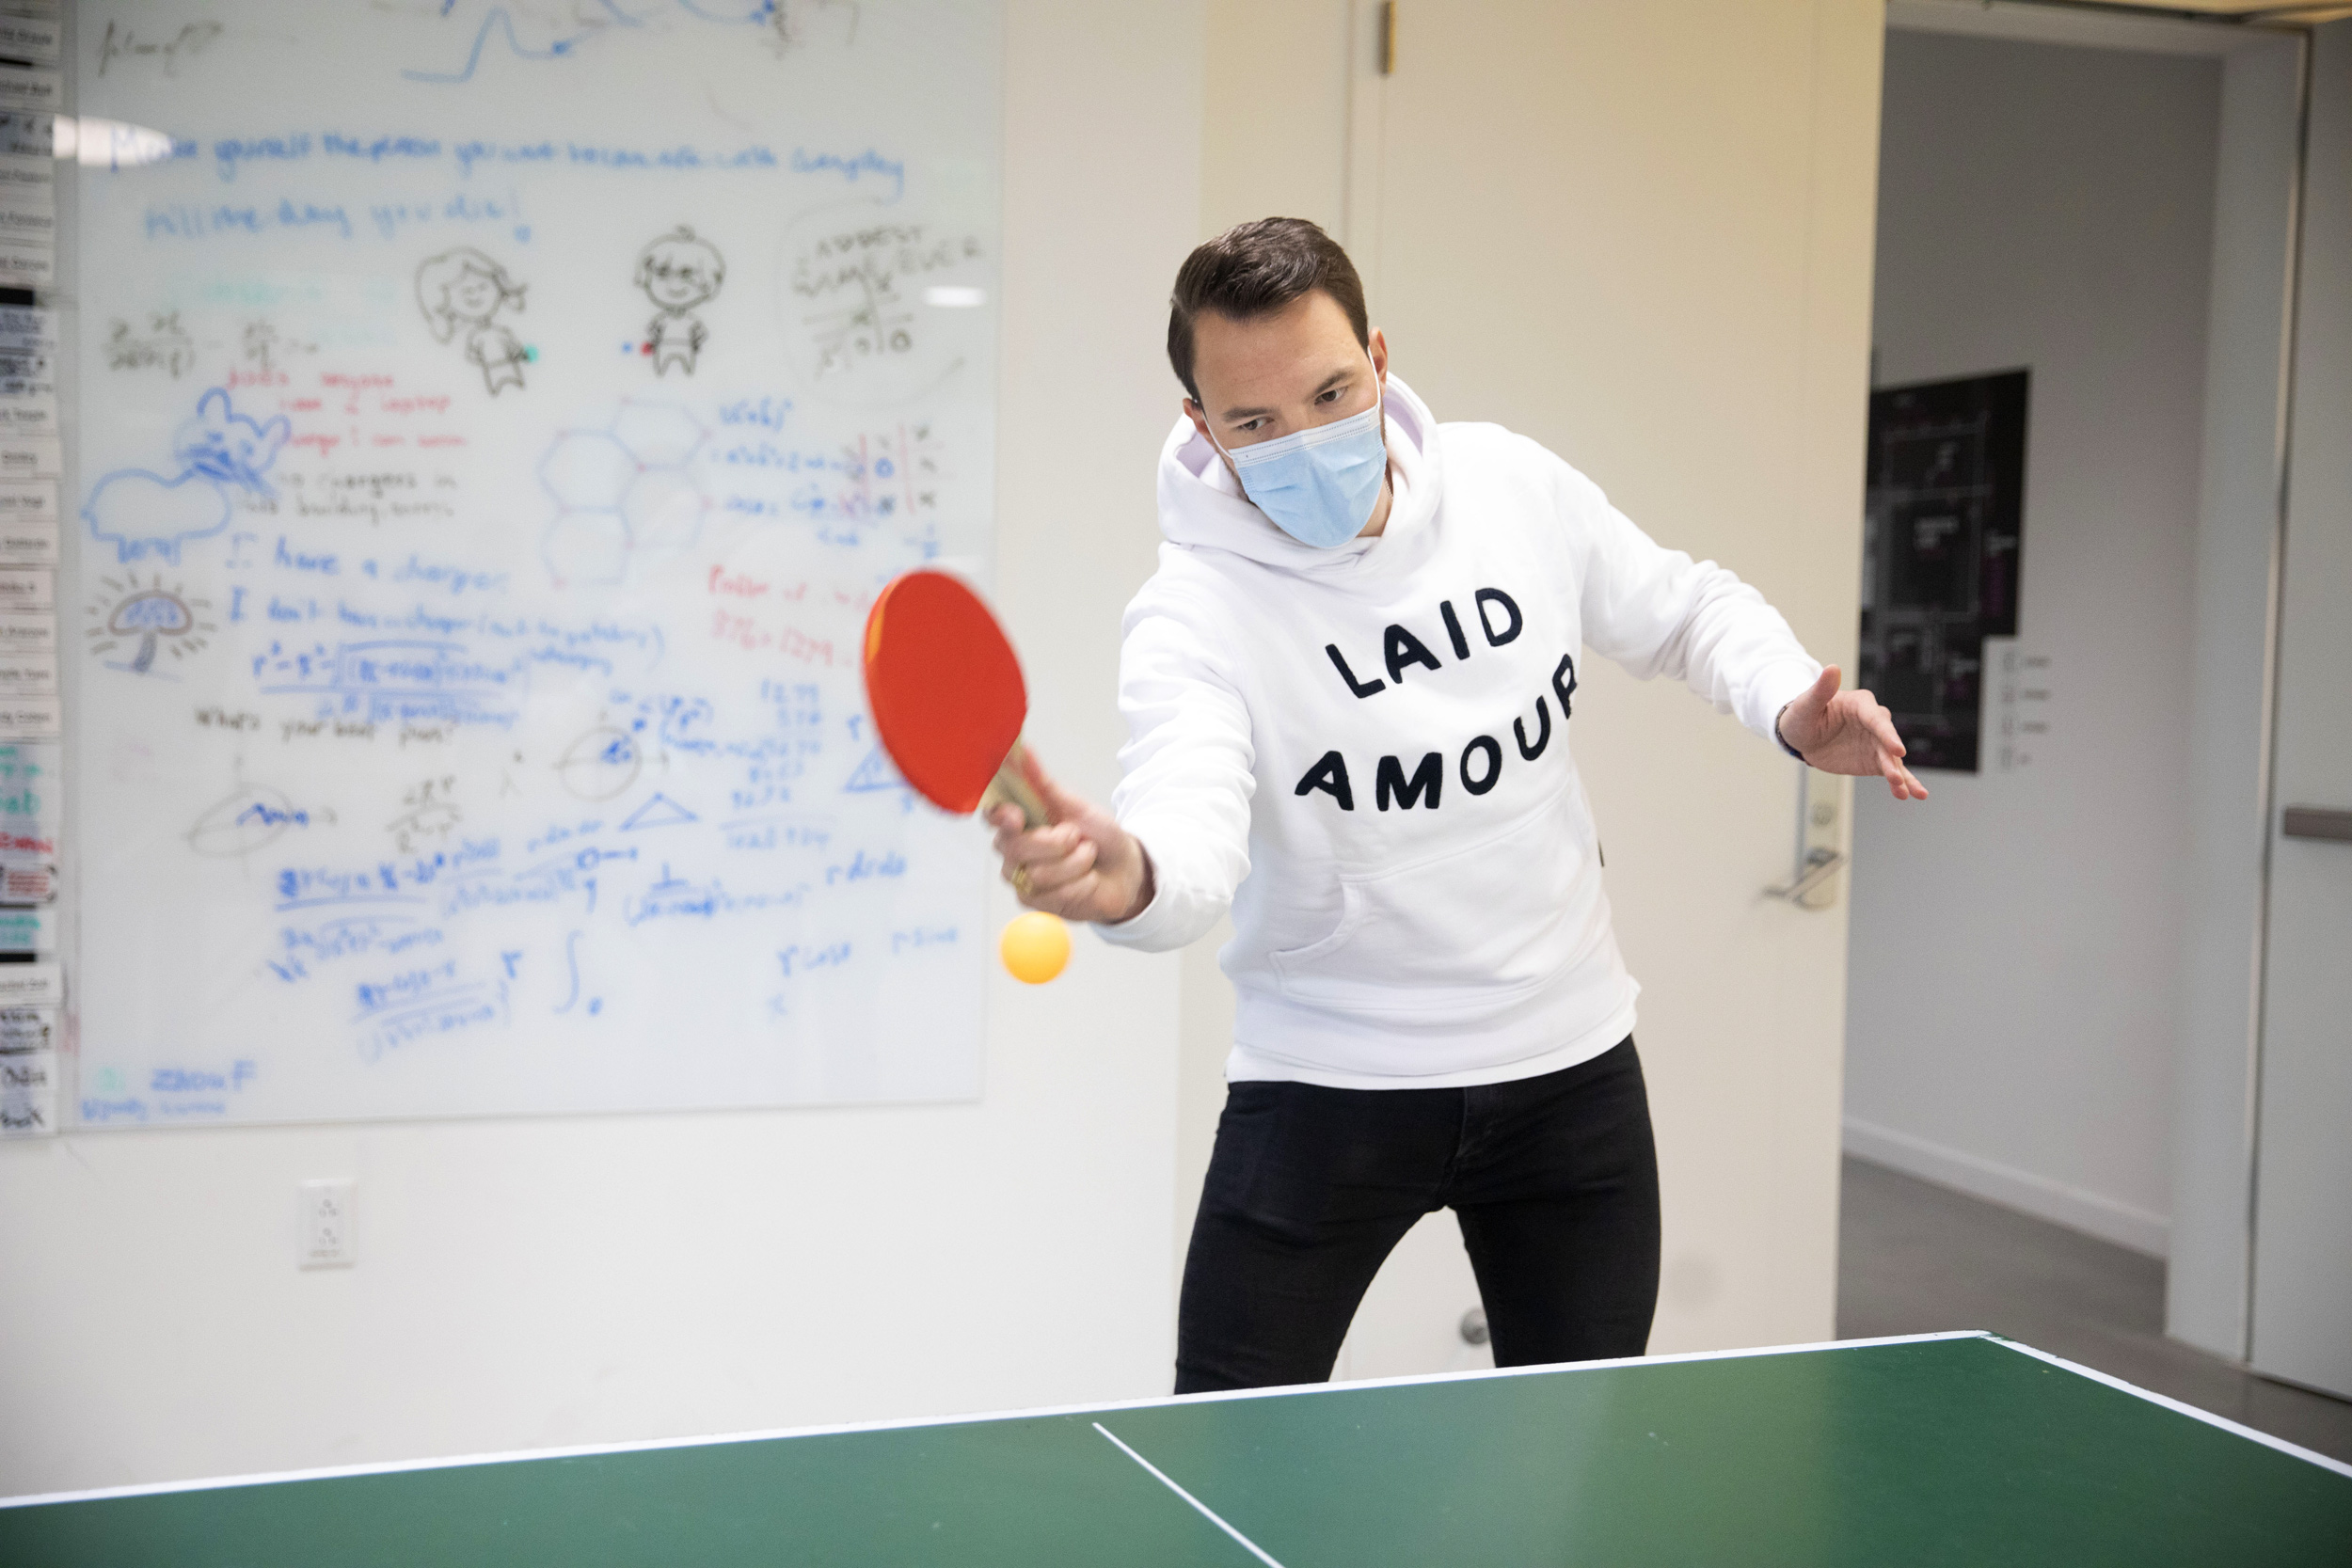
(1206, 1512)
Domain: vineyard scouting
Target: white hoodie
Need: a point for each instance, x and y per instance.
(1363, 751)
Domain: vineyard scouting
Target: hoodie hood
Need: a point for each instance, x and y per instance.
(1202, 508)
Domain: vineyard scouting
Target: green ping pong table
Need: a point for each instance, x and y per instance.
(1942, 1449)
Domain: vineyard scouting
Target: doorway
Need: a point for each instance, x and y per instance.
(2055, 1025)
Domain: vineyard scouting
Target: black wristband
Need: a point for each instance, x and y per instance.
(1782, 738)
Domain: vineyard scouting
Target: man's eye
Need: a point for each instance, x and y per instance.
(1247, 426)
(1332, 395)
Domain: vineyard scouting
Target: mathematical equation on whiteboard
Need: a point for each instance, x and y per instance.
(476, 529)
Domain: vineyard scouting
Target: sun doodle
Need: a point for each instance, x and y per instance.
(149, 615)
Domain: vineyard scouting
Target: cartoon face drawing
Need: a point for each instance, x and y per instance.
(678, 272)
(466, 288)
(474, 296)
(679, 286)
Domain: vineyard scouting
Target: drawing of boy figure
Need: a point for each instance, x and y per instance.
(677, 273)
(464, 287)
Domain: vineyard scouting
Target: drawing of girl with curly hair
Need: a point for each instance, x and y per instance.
(464, 287)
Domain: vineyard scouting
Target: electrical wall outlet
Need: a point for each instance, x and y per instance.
(323, 1237)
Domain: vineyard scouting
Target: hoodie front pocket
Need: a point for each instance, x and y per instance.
(1458, 935)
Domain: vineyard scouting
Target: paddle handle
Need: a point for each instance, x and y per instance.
(1011, 786)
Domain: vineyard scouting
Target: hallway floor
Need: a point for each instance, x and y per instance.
(1916, 1258)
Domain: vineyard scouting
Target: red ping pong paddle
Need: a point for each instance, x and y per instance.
(946, 694)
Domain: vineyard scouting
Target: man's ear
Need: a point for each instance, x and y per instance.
(1379, 351)
(1199, 418)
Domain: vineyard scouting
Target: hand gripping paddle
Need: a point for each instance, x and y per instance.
(947, 696)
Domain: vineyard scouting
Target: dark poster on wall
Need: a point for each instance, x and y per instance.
(1943, 535)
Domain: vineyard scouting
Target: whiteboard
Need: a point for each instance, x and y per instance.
(494, 422)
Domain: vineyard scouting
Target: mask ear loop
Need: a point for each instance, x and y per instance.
(1380, 395)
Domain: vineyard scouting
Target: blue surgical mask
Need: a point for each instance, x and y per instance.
(1318, 486)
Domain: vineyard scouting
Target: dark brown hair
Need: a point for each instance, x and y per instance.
(1253, 269)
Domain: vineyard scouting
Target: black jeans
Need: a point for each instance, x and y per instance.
(1554, 1180)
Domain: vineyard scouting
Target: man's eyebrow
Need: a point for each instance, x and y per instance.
(1328, 383)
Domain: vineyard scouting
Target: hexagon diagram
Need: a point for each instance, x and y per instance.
(624, 492)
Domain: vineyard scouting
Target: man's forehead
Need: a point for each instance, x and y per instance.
(1294, 351)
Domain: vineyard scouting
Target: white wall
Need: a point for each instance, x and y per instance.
(566, 1280)
(2016, 987)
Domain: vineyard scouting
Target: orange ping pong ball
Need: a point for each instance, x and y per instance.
(1035, 946)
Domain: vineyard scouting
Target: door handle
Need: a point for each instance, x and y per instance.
(2320, 822)
(1819, 866)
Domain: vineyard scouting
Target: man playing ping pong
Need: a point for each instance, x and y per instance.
(1349, 691)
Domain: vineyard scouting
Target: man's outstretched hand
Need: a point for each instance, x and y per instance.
(1847, 731)
(1081, 865)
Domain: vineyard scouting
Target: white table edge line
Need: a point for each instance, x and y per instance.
(2179, 1407)
(591, 1451)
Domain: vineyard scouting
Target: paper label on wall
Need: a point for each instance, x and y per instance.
(29, 544)
(27, 885)
(30, 223)
(29, 675)
(28, 265)
(28, 177)
(31, 985)
(29, 524)
(29, 827)
(28, 349)
(30, 457)
(29, 416)
(28, 540)
(28, 1095)
(28, 135)
(29, 214)
(37, 38)
(28, 845)
(27, 590)
(26, 1030)
(28, 328)
(39, 92)
(26, 636)
(31, 501)
(36, 203)
(31, 719)
(2017, 702)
